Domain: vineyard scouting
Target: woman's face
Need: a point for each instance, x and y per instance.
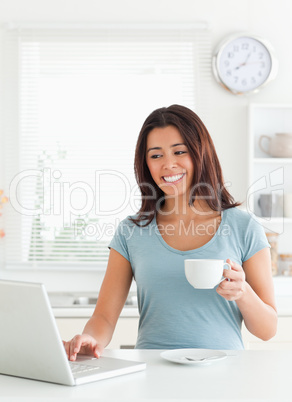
(169, 161)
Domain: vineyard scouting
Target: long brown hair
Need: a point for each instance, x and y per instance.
(207, 180)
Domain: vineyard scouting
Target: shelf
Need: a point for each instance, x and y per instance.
(274, 161)
(274, 220)
(267, 174)
(261, 106)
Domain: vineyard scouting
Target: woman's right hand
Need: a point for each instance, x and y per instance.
(84, 344)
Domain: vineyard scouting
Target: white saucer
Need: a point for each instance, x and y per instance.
(179, 356)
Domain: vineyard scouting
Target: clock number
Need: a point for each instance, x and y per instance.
(263, 65)
(235, 79)
(245, 46)
(226, 63)
(228, 73)
(261, 55)
(253, 80)
(230, 55)
(236, 48)
(244, 82)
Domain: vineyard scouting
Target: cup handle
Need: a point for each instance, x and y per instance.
(261, 145)
(229, 267)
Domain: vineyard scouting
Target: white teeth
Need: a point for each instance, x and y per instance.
(171, 179)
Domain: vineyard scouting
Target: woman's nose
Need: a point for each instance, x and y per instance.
(169, 161)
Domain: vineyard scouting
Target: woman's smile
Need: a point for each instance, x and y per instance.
(173, 178)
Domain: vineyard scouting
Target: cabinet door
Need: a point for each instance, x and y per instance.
(125, 334)
(281, 341)
(69, 327)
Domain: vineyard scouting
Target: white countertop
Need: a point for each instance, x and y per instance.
(252, 376)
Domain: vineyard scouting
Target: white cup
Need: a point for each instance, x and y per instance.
(288, 205)
(205, 274)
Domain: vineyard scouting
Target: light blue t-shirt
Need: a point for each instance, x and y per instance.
(172, 313)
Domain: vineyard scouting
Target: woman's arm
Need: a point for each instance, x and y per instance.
(99, 329)
(251, 286)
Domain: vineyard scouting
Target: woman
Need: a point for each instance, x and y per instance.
(186, 212)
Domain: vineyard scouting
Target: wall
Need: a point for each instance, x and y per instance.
(227, 123)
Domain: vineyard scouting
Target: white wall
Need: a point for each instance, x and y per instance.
(227, 123)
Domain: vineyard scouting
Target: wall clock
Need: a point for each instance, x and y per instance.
(243, 63)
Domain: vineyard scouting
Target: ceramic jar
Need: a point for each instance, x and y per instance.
(279, 146)
(273, 240)
(285, 264)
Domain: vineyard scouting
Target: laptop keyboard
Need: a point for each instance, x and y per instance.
(78, 368)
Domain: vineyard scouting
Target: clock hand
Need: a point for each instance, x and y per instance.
(248, 56)
(255, 62)
(243, 64)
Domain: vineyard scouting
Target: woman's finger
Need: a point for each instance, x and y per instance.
(234, 265)
(75, 346)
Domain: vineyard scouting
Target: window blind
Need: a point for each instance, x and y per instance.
(74, 100)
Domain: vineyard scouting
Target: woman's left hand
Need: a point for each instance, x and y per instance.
(234, 288)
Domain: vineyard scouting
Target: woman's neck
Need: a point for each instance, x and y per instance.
(178, 208)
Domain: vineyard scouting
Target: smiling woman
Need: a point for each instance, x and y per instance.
(182, 187)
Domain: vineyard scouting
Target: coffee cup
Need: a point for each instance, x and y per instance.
(205, 274)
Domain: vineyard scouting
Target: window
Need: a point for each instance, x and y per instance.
(74, 101)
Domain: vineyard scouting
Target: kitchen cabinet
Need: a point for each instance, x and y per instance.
(266, 174)
(124, 337)
(281, 341)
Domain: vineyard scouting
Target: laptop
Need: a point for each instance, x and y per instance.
(31, 346)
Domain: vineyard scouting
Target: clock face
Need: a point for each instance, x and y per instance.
(243, 64)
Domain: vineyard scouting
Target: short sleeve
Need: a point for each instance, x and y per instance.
(255, 239)
(119, 241)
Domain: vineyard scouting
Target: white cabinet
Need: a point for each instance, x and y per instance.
(125, 334)
(281, 341)
(270, 175)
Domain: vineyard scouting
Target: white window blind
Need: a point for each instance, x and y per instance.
(75, 98)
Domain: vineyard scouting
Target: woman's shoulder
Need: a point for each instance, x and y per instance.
(237, 213)
(241, 219)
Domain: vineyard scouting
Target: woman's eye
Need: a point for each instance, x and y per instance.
(154, 156)
(180, 152)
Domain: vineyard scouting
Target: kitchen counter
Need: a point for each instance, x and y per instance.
(243, 376)
(82, 304)
(86, 312)
(283, 303)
